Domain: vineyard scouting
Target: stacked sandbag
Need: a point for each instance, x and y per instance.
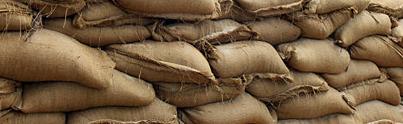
(397, 33)
(391, 7)
(15, 16)
(376, 110)
(14, 117)
(10, 93)
(396, 75)
(55, 8)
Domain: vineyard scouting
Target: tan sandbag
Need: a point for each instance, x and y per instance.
(328, 119)
(313, 105)
(243, 109)
(274, 30)
(396, 75)
(397, 33)
(104, 14)
(358, 70)
(363, 25)
(249, 58)
(327, 6)
(192, 95)
(376, 110)
(158, 112)
(15, 16)
(56, 8)
(389, 7)
(10, 93)
(361, 92)
(380, 50)
(320, 56)
(99, 36)
(273, 91)
(271, 7)
(46, 55)
(13, 117)
(173, 62)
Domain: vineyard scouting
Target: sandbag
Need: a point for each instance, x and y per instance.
(10, 93)
(158, 112)
(313, 105)
(363, 25)
(396, 75)
(56, 8)
(274, 30)
(380, 50)
(328, 119)
(46, 55)
(13, 117)
(15, 16)
(273, 91)
(244, 109)
(358, 70)
(99, 36)
(192, 95)
(376, 110)
(320, 56)
(272, 7)
(249, 58)
(397, 33)
(327, 6)
(104, 14)
(389, 7)
(361, 92)
(173, 62)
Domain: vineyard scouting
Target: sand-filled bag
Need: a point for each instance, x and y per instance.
(15, 16)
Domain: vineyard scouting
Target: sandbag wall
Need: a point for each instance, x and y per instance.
(201, 61)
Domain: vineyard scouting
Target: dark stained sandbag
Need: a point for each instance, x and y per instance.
(313, 105)
(56, 8)
(361, 92)
(249, 58)
(10, 93)
(15, 16)
(363, 25)
(99, 36)
(376, 110)
(397, 33)
(274, 30)
(13, 117)
(243, 109)
(103, 14)
(380, 50)
(327, 6)
(173, 62)
(358, 70)
(158, 112)
(328, 119)
(270, 7)
(64, 96)
(396, 75)
(273, 91)
(390, 7)
(320, 56)
(51, 56)
(191, 95)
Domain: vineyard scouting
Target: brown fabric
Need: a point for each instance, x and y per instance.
(380, 50)
(56, 8)
(396, 75)
(99, 36)
(358, 70)
(236, 13)
(271, 7)
(13, 117)
(10, 93)
(320, 56)
(14, 16)
(389, 7)
(191, 95)
(173, 62)
(51, 56)
(328, 119)
(361, 92)
(327, 6)
(272, 91)
(313, 105)
(397, 33)
(243, 109)
(376, 110)
(158, 112)
(383, 121)
(363, 25)
(106, 14)
(274, 30)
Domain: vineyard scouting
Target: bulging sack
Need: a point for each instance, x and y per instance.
(13, 117)
(327, 6)
(396, 75)
(376, 110)
(56, 8)
(15, 16)
(46, 55)
(390, 7)
(272, 7)
(243, 108)
(10, 93)
(173, 62)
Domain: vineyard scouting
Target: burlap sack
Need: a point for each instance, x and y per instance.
(56, 8)
(273, 91)
(158, 112)
(10, 93)
(46, 55)
(244, 109)
(389, 7)
(13, 117)
(358, 70)
(104, 14)
(328, 119)
(396, 75)
(327, 6)
(380, 50)
(271, 7)
(192, 95)
(376, 110)
(99, 36)
(248, 58)
(363, 25)
(361, 92)
(397, 33)
(274, 30)
(172, 62)
(313, 105)
(320, 56)
(15, 16)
